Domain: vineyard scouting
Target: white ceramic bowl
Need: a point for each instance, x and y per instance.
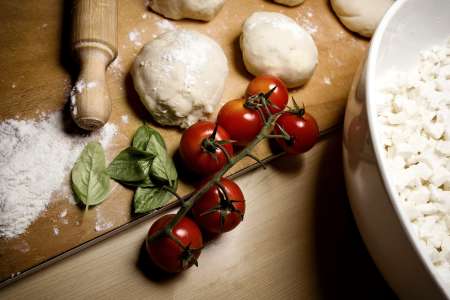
(409, 27)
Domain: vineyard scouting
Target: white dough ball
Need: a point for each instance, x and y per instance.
(274, 44)
(204, 10)
(290, 2)
(180, 77)
(361, 16)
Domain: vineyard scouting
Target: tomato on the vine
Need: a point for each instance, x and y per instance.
(175, 255)
(204, 148)
(221, 208)
(264, 84)
(302, 129)
(241, 122)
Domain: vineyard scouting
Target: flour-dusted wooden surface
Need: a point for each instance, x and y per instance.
(298, 241)
(36, 76)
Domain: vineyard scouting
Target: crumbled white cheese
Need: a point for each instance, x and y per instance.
(414, 112)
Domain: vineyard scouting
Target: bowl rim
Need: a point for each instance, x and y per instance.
(370, 102)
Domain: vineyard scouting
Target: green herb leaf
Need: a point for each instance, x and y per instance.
(147, 166)
(147, 182)
(162, 167)
(147, 199)
(130, 165)
(141, 139)
(90, 182)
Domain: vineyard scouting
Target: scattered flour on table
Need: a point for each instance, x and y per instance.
(165, 25)
(36, 157)
(22, 246)
(91, 84)
(124, 119)
(414, 116)
(116, 68)
(336, 60)
(107, 133)
(63, 213)
(340, 35)
(55, 230)
(306, 21)
(327, 80)
(101, 223)
(135, 37)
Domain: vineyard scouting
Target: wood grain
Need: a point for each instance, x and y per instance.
(95, 21)
(37, 74)
(94, 46)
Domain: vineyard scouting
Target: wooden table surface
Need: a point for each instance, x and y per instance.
(298, 241)
(37, 73)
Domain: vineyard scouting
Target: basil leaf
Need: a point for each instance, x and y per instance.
(90, 182)
(141, 139)
(147, 199)
(144, 183)
(130, 165)
(162, 167)
(145, 165)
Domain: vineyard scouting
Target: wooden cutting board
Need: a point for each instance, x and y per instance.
(37, 74)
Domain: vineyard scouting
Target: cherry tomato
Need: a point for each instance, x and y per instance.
(221, 208)
(199, 148)
(302, 129)
(263, 84)
(242, 124)
(172, 256)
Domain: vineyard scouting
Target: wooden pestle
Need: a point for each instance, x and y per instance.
(94, 44)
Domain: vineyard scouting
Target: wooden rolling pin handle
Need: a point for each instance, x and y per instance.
(90, 101)
(94, 44)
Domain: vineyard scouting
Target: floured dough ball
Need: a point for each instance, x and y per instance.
(274, 44)
(204, 10)
(290, 2)
(361, 16)
(180, 77)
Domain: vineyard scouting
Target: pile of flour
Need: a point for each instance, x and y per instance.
(36, 157)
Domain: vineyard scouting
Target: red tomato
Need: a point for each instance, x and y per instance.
(169, 255)
(301, 127)
(263, 84)
(221, 208)
(242, 124)
(198, 149)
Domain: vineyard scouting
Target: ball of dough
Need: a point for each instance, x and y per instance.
(361, 16)
(274, 44)
(290, 2)
(204, 10)
(180, 77)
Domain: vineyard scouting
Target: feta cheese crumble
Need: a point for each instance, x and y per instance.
(415, 130)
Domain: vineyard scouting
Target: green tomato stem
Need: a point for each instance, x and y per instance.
(277, 136)
(187, 205)
(216, 178)
(265, 133)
